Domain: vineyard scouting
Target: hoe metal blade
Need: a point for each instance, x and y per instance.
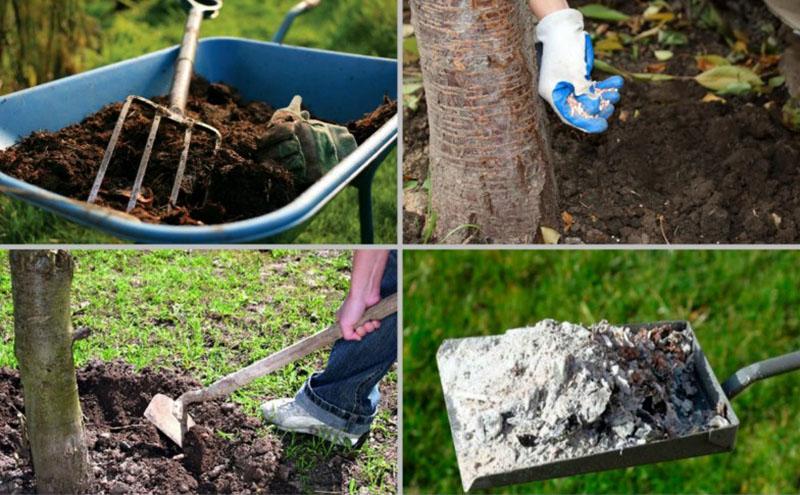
(160, 412)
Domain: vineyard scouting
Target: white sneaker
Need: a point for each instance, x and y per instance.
(288, 415)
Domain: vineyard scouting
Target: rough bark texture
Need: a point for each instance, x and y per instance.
(43, 347)
(489, 149)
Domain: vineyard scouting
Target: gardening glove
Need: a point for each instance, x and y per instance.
(307, 148)
(565, 73)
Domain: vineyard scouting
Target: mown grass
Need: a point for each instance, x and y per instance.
(742, 304)
(210, 313)
(343, 25)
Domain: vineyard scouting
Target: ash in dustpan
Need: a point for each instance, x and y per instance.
(558, 391)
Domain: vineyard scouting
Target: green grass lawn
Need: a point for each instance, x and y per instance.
(342, 25)
(742, 304)
(211, 313)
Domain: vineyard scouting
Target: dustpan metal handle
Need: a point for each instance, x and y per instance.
(278, 360)
(760, 370)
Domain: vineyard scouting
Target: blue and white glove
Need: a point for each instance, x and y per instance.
(565, 73)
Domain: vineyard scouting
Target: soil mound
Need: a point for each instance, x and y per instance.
(224, 454)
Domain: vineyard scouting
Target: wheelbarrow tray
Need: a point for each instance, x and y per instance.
(697, 444)
(335, 86)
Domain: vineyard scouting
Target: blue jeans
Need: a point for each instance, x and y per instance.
(345, 396)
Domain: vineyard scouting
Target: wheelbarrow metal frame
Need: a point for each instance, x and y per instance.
(220, 59)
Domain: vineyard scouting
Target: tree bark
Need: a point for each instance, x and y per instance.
(490, 161)
(43, 347)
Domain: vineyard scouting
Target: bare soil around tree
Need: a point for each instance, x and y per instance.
(227, 452)
(677, 165)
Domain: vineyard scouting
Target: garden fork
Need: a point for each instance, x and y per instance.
(179, 94)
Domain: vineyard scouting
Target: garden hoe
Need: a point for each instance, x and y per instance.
(171, 416)
(179, 94)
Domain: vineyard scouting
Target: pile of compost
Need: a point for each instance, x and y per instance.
(229, 185)
(228, 452)
(558, 391)
(675, 166)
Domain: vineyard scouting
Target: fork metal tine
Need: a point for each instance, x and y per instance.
(137, 185)
(98, 181)
(176, 187)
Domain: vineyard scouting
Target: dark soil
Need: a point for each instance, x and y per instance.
(217, 188)
(129, 455)
(671, 168)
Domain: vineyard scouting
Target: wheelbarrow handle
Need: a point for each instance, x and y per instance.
(298, 10)
(760, 370)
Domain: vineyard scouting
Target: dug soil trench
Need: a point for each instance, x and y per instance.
(228, 452)
(676, 165)
(217, 188)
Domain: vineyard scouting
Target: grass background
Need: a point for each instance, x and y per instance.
(742, 304)
(356, 26)
(211, 313)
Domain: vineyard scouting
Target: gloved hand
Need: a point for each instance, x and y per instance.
(306, 147)
(565, 73)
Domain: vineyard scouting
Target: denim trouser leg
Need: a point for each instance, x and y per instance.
(345, 396)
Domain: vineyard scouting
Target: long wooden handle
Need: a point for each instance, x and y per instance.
(230, 383)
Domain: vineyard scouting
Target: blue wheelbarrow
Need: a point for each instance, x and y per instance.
(335, 86)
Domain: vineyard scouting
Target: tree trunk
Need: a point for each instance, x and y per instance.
(43, 347)
(489, 150)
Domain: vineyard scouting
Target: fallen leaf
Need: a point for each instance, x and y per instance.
(663, 55)
(672, 38)
(790, 114)
(663, 17)
(729, 79)
(643, 76)
(568, 219)
(608, 45)
(776, 220)
(777, 81)
(624, 115)
(740, 47)
(606, 67)
(768, 61)
(708, 62)
(651, 10)
(549, 235)
(656, 68)
(736, 88)
(711, 97)
(602, 13)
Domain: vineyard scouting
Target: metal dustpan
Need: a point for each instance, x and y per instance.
(722, 439)
(335, 86)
